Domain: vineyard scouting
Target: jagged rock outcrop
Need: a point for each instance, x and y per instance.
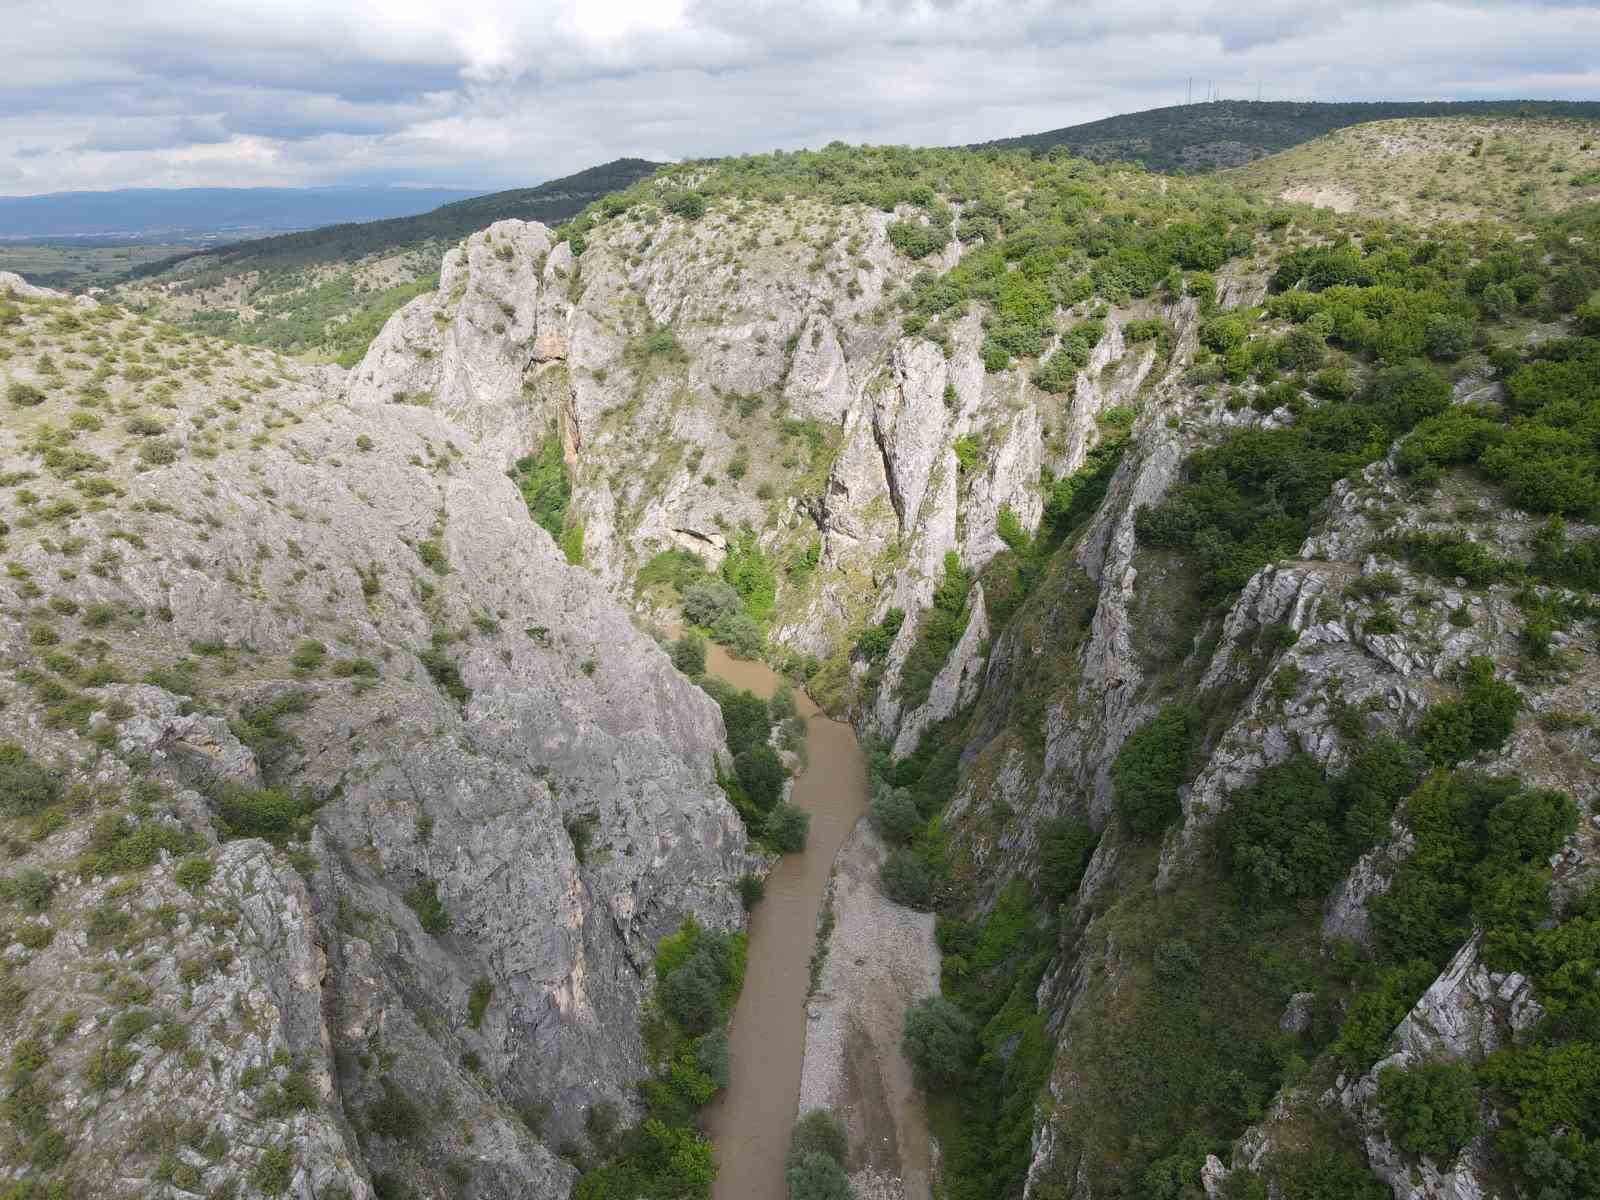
(515, 792)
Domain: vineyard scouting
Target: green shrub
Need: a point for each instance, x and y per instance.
(1376, 1010)
(257, 727)
(706, 602)
(1481, 844)
(1481, 720)
(761, 775)
(819, 1131)
(272, 814)
(31, 889)
(432, 915)
(444, 673)
(1429, 1109)
(192, 874)
(1447, 337)
(786, 828)
(875, 641)
(751, 575)
(698, 974)
(939, 1042)
(906, 879)
(1149, 769)
(1065, 847)
(1279, 838)
(689, 654)
(308, 656)
(157, 452)
(689, 205)
(24, 395)
(752, 889)
(394, 1116)
(941, 629)
(26, 785)
(478, 1001)
(916, 240)
(816, 1177)
(894, 815)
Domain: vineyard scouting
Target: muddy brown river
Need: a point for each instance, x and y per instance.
(751, 1120)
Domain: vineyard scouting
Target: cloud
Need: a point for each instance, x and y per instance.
(507, 92)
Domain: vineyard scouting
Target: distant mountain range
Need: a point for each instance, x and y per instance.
(1229, 133)
(184, 214)
(551, 202)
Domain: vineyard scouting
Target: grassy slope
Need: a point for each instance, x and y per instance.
(1442, 169)
(1228, 133)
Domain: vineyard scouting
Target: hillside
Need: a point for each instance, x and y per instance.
(1229, 133)
(1214, 585)
(1439, 169)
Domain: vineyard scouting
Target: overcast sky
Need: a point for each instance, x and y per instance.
(501, 93)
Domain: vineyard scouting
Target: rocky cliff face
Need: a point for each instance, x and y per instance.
(238, 604)
(743, 370)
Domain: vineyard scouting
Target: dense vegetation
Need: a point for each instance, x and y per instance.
(335, 318)
(698, 976)
(1226, 133)
(1399, 305)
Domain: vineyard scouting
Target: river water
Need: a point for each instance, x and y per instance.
(750, 1121)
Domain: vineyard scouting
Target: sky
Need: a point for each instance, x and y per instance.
(505, 93)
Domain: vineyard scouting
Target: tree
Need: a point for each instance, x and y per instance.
(1149, 769)
(761, 775)
(819, 1132)
(689, 994)
(689, 654)
(1065, 846)
(711, 1057)
(816, 1177)
(1429, 1109)
(686, 204)
(894, 815)
(1481, 720)
(704, 602)
(26, 785)
(906, 879)
(787, 828)
(940, 1042)
(1447, 337)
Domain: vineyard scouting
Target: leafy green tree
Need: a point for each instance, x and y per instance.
(787, 828)
(1065, 847)
(906, 879)
(706, 601)
(1481, 720)
(689, 205)
(1429, 1109)
(26, 785)
(1447, 337)
(939, 1042)
(1148, 771)
(761, 775)
(816, 1177)
(819, 1131)
(689, 654)
(894, 815)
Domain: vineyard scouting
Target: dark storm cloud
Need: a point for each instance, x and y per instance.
(501, 92)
